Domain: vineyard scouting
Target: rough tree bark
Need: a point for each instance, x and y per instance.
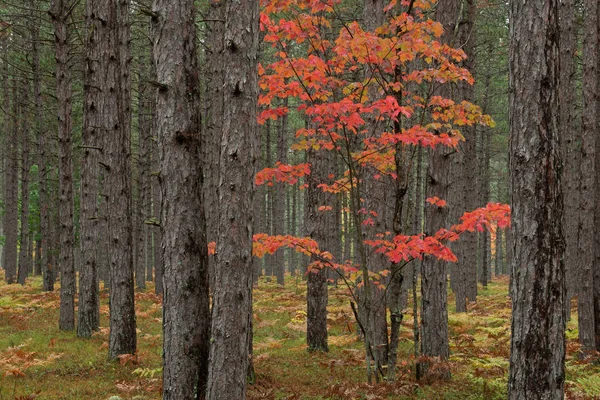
(279, 199)
(92, 136)
(434, 294)
(570, 134)
(25, 253)
(143, 266)
(41, 251)
(186, 319)
(538, 314)
(462, 194)
(376, 193)
(316, 228)
(586, 227)
(211, 137)
(59, 12)
(232, 299)
(113, 20)
(11, 184)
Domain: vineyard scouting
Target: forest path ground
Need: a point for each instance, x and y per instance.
(37, 361)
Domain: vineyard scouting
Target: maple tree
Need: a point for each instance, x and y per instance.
(370, 97)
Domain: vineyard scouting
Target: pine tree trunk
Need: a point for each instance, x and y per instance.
(11, 180)
(316, 229)
(60, 12)
(186, 315)
(279, 198)
(92, 137)
(538, 314)
(586, 228)
(143, 266)
(25, 253)
(213, 123)
(462, 193)
(570, 133)
(232, 294)
(499, 258)
(596, 270)
(113, 23)
(484, 190)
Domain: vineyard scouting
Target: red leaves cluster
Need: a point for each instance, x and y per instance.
(436, 201)
(282, 173)
(405, 248)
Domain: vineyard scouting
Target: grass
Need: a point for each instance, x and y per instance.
(37, 361)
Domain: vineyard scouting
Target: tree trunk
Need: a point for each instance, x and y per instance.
(484, 189)
(143, 266)
(186, 303)
(11, 184)
(60, 11)
(317, 229)
(499, 258)
(25, 253)
(92, 137)
(213, 123)
(569, 151)
(434, 292)
(462, 194)
(596, 272)
(538, 315)
(112, 21)
(585, 231)
(279, 199)
(232, 299)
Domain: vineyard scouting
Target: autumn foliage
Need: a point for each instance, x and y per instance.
(378, 89)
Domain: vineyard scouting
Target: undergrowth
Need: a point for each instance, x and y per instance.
(37, 361)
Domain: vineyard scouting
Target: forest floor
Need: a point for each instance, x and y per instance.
(37, 361)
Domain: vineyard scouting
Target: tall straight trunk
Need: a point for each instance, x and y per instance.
(92, 136)
(316, 229)
(11, 180)
(417, 229)
(279, 199)
(484, 185)
(538, 314)
(375, 196)
(213, 123)
(596, 272)
(159, 265)
(291, 213)
(186, 313)
(434, 294)
(25, 253)
(570, 134)
(110, 20)
(232, 294)
(462, 193)
(60, 11)
(586, 228)
(499, 257)
(155, 189)
(143, 206)
(268, 216)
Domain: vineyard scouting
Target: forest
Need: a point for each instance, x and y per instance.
(299, 199)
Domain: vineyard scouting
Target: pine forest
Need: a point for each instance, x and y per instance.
(299, 199)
